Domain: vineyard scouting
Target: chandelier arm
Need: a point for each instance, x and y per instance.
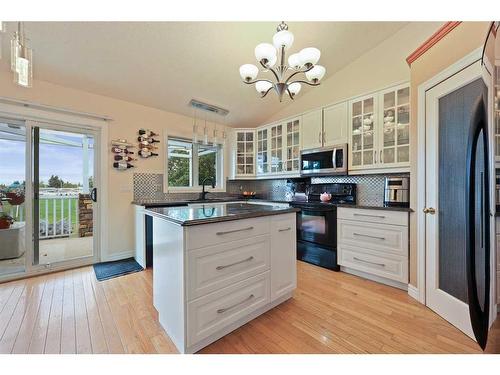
(290, 94)
(258, 80)
(298, 72)
(267, 92)
(272, 70)
(307, 83)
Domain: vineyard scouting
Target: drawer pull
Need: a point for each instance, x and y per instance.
(233, 231)
(379, 216)
(367, 261)
(285, 229)
(367, 235)
(221, 311)
(234, 264)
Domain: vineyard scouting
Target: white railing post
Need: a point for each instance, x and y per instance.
(54, 220)
(46, 218)
(62, 216)
(69, 217)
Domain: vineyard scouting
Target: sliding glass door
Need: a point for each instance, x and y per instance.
(48, 197)
(64, 195)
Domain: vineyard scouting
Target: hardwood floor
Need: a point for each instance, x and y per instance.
(71, 312)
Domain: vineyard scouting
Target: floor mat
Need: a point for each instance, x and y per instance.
(108, 270)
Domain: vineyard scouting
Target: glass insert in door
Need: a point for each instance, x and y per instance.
(63, 183)
(12, 197)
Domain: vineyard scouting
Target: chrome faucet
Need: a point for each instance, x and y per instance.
(203, 194)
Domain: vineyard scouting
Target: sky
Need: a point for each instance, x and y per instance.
(64, 161)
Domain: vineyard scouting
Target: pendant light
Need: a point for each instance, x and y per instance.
(205, 134)
(195, 128)
(215, 134)
(21, 58)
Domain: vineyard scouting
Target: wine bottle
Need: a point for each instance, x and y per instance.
(118, 150)
(146, 139)
(147, 133)
(148, 147)
(145, 153)
(124, 158)
(121, 165)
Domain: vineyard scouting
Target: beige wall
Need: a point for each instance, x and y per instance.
(127, 119)
(380, 67)
(459, 42)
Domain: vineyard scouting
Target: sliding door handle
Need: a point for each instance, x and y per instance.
(93, 195)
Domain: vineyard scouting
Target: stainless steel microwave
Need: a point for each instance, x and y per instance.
(324, 161)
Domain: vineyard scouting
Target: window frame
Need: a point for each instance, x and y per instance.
(194, 175)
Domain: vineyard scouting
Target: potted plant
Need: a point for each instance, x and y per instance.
(5, 220)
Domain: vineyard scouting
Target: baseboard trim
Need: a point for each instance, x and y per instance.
(413, 292)
(119, 256)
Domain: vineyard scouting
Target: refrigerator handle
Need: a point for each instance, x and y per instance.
(479, 317)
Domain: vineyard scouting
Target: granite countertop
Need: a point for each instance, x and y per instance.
(165, 203)
(216, 212)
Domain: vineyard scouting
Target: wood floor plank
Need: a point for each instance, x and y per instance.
(27, 328)
(330, 312)
(82, 330)
(39, 335)
(68, 323)
(98, 340)
(53, 339)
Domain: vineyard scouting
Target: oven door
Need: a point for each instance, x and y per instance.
(317, 225)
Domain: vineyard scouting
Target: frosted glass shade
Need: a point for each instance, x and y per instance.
(294, 61)
(309, 55)
(316, 73)
(272, 62)
(263, 86)
(265, 51)
(248, 72)
(283, 38)
(294, 88)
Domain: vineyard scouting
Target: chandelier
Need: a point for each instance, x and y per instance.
(303, 62)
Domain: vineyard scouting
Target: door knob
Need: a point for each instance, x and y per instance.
(429, 210)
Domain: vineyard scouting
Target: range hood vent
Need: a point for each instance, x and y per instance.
(208, 107)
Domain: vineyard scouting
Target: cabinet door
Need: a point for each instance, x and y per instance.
(245, 153)
(283, 256)
(276, 148)
(262, 159)
(312, 129)
(363, 131)
(292, 145)
(394, 149)
(335, 124)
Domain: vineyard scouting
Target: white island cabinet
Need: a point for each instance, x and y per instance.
(209, 279)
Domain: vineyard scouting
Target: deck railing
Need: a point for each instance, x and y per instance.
(58, 215)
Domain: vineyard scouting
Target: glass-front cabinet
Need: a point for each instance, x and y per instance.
(380, 130)
(276, 148)
(262, 157)
(363, 132)
(292, 145)
(395, 131)
(245, 153)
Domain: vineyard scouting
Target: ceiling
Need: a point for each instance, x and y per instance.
(166, 64)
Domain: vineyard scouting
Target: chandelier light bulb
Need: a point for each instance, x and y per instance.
(248, 72)
(309, 56)
(263, 86)
(265, 52)
(316, 74)
(272, 62)
(294, 88)
(283, 38)
(294, 61)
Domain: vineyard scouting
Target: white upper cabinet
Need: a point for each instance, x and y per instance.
(363, 130)
(312, 129)
(292, 145)
(245, 153)
(335, 129)
(262, 147)
(379, 128)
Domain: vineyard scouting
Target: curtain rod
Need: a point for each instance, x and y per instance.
(53, 109)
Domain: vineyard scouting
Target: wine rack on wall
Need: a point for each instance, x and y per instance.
(147, 143)
(122, 154)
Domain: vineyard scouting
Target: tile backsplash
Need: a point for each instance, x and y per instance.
(370, 188)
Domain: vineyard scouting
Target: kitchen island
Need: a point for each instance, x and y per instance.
(218, 266)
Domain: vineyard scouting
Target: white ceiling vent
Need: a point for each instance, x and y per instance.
(208, 107)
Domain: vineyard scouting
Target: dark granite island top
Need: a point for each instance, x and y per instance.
(216, 212)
